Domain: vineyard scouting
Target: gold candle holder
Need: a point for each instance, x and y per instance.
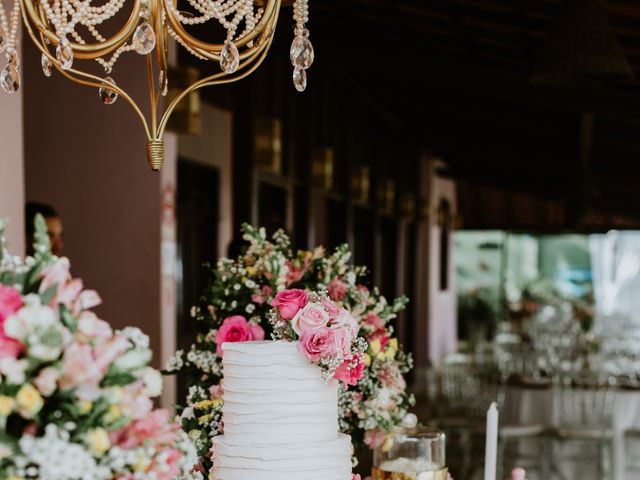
(435, 475)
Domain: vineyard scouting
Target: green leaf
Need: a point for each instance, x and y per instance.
(48, 294)
(117, 379)
(42, 244)
(68, 319)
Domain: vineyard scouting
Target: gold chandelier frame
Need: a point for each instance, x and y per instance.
(253, 48)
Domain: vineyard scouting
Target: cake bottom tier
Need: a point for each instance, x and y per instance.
(240, 460)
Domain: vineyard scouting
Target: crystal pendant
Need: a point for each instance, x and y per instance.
(301, 52)
(46, 65)
(164, 83)
(14, 58)
(64, 54)
(229, 58)
(107, 95)
(300, 79)
(10, 78)
(144, 39)
(3, 39)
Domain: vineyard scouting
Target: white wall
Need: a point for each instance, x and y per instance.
(11, 169)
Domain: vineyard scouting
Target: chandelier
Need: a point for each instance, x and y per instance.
(67, 33)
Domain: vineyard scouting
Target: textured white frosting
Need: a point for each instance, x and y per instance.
(280, 417)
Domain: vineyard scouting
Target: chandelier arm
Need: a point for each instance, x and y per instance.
(217, 79)
(37, 17)
(153, 98)
(212, 51)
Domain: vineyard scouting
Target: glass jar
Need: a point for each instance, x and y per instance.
(411, 454)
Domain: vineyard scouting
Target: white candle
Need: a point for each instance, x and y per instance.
(491, 443)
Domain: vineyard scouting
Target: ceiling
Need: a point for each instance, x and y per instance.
(457, 74)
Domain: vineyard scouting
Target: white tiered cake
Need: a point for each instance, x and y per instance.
(280, 418)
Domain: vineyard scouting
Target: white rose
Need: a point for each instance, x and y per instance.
(152, 380)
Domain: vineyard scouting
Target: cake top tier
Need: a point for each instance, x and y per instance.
(266, 347)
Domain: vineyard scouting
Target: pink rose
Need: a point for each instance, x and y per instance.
(374, 321)
(337, 290)
(46, 381)
(260, 298)
(10, 347)
(311, 317)
(237, 329)
(10, 302)
(345, 320)
(317, 344)
(289, 302)
(330, 307)
(356, 476)
(349, 373)
(343, 340)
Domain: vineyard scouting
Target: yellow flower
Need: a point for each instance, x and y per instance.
(251, 271)
(216, 403)
(29, 401)
(98, 441)
(113, 414)
(203, 405)
(392, 349)
(374, 347)
(15, 478)
(203, 419)
(85, 407)
(6, 405)
(367, 359)
(142, 464)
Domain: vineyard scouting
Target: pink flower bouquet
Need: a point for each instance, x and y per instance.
(327, 334)
(75, 396)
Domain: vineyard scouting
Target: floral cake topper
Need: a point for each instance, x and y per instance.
(327, 334)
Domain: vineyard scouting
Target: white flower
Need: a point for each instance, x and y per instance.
(13, 369)
(250, 308)
(40, 329)
(134, 359)
(152, 380)
(137, 337)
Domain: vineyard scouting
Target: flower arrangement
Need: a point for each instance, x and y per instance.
(246, 300)
(76, 396)
(327, 334)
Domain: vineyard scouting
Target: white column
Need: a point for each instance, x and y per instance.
(12, 169)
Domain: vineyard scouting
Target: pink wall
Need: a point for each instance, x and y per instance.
(88, 160)
(11, 169)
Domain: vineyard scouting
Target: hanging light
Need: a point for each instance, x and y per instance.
(67, 33)
(584, 49)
